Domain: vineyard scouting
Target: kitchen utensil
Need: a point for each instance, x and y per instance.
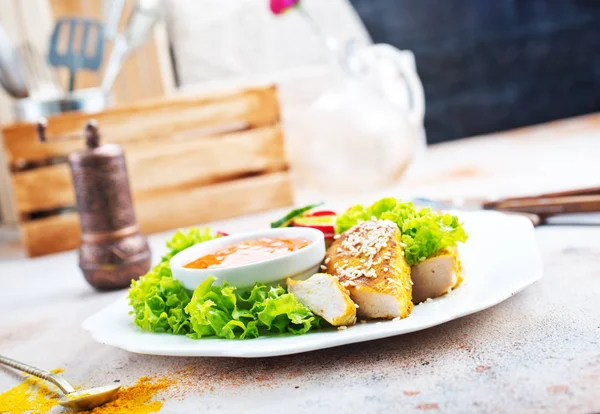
(145, 15)
(585, 200)
(84, 49)
(75, 400)
(11, 68)
(477, 205)
(112, 14)
(90, 101)
(39, 77)
(549, 206)
(113, 252)
(537, 208)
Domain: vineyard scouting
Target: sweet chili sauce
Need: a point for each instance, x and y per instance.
(248, 251)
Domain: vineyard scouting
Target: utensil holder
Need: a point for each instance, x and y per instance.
(88, 101)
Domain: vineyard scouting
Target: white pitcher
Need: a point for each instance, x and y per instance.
(366, 129)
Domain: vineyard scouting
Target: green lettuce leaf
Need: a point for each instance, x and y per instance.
(424, 231)
(160, 303)
(157, 300)
(182, 240)
(221, 311)
(350, 218)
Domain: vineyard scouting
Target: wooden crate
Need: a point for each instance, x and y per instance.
(190, 160)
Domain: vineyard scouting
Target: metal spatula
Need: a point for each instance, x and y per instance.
(84, 47)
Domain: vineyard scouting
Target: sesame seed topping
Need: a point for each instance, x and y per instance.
(337, 236)
(365, 241)
(327, 260)
(323, 267)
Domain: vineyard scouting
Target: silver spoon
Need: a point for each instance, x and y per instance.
(75, 400)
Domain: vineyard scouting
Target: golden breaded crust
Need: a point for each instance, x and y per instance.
(369, 259)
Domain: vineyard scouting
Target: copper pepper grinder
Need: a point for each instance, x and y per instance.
(112, 251)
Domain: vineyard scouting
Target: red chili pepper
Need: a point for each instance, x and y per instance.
(222, 234)
(320, 213)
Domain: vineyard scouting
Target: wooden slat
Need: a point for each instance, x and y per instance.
(182, 206)
(43, 189)
(51, 235)
(147, 121)
(155, 166)
(214, 202)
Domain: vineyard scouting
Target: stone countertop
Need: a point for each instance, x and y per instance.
(539, 351)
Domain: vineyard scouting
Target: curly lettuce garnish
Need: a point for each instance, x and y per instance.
(424, 232)
(222, 312)
(161, 304)
(182, 240)
(158, 301)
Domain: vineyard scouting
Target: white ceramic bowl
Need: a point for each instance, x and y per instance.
(300, 264)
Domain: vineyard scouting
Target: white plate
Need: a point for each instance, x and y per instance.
(500, 259)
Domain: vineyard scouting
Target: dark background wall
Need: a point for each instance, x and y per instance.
(490, 65)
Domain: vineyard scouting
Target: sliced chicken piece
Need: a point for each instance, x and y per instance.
(326, 297)
(369, 261)
(436, 276)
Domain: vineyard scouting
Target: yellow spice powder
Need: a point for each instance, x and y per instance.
(32, 396)
(136, 399)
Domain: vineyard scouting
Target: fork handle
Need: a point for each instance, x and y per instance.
(549, 206)
(59, 381)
